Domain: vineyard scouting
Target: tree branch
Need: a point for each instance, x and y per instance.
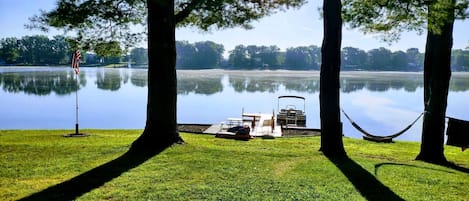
(181, 15)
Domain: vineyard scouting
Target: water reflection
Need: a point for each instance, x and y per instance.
(187, 82)
(108, 79)
(200, 85)
(254, 84)
(210, 82)
(381, 82)
(41, 83)
(139, 78)
(303, 85)
(459, 82)
(375, 82)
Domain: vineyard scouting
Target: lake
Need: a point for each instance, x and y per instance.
(380, 102)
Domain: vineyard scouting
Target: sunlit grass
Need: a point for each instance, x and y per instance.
(208, 168)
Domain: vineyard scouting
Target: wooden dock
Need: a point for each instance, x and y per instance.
(213, 129)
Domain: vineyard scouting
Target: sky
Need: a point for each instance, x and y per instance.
(293, 28)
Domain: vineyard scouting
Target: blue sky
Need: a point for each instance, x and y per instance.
(296, 27)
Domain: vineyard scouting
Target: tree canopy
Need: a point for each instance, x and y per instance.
(391, 18)
(98, 21)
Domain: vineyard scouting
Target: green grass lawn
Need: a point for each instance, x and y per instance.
(209, 168)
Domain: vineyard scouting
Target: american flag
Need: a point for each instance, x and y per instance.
(76, 61)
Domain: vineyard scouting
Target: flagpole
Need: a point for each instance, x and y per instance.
(76, 104)
(75, 65)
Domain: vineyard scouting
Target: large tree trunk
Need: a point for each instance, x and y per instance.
(161, 125)
(331, 126)
(437, 74)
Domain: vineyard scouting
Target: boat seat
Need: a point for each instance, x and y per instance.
(267, 122)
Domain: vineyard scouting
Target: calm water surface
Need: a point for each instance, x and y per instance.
(44, 98)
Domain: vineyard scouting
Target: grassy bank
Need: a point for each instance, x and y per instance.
(208, 168)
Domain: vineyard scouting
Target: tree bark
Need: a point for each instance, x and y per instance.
(161, 124)
(331, 126)
(437, 75)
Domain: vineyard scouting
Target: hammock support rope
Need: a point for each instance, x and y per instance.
(377, 138)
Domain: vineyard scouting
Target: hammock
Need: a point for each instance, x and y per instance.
(377, 138)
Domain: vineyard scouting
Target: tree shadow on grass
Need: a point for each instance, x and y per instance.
(379, 165)
(366, 184)
(92, 179)
(454, 166)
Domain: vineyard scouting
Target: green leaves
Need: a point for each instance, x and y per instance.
(390, 18)
(95, 21)
(216, 14)
(9, 50)
(111, 48)
(92, 22)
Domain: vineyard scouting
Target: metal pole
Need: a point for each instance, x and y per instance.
(76, 104)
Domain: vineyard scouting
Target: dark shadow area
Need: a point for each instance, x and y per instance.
(92, 179)
(448, 164)
(368, 186)
(454, 166)
(379, 165)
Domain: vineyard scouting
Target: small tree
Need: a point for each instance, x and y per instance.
(9, 50)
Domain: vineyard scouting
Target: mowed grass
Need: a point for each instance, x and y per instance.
(209, 168)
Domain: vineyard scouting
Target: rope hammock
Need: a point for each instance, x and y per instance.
(377, 138)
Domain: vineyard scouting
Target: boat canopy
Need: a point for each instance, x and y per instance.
(300, 97)
(290, 96)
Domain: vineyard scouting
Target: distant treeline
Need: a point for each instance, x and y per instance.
(40, 50)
